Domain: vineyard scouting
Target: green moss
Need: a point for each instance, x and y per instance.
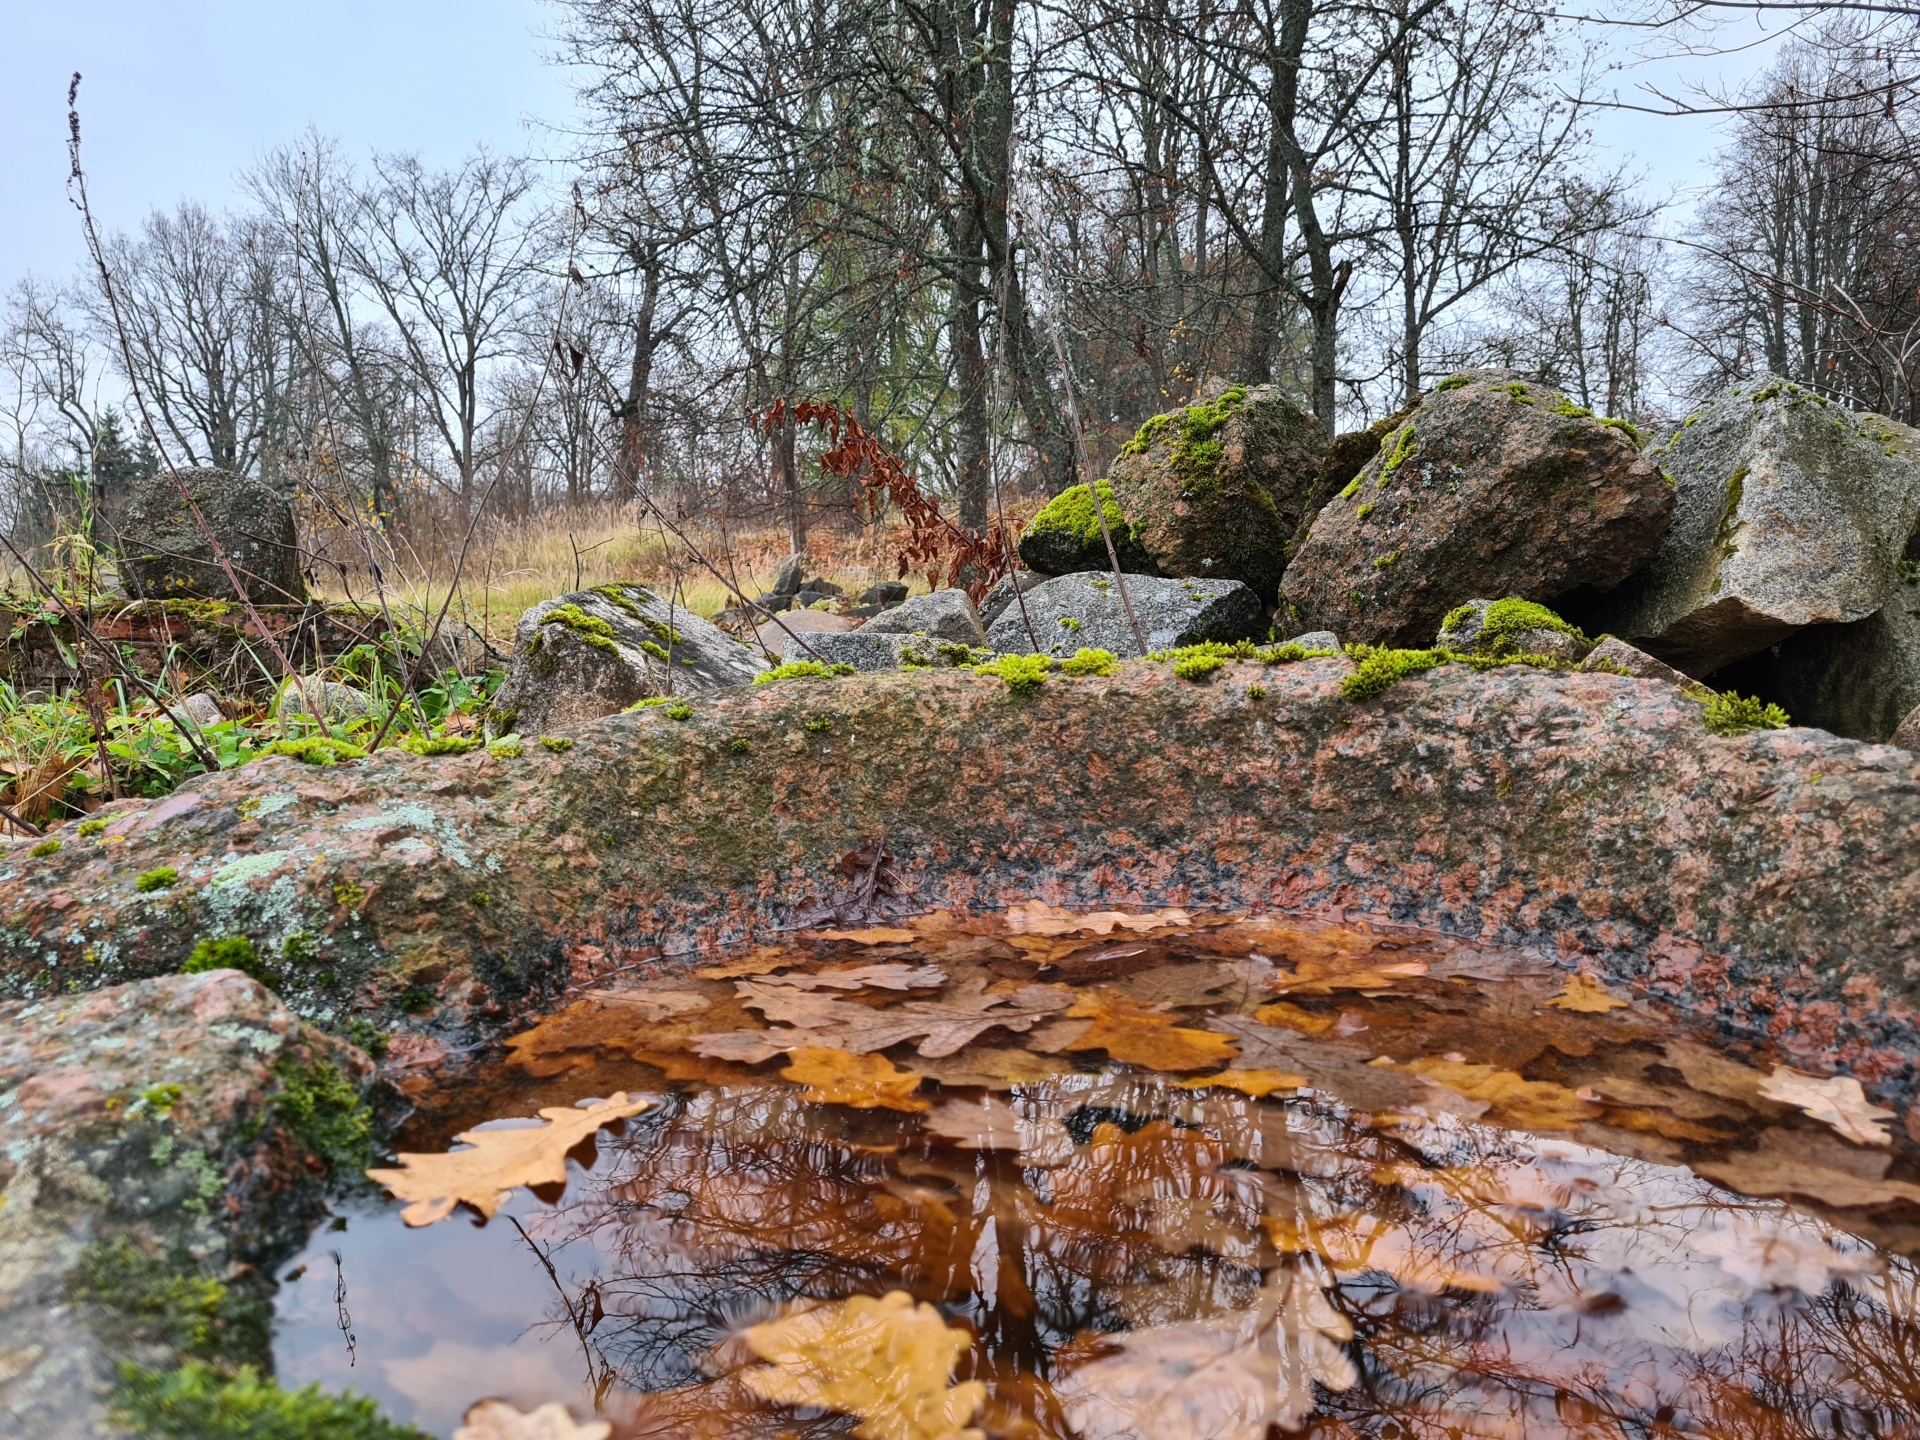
(1221, 649)
(1386, 561)
(1566, 407)
(1365, 510)
(1289, 652)
(1723, 536)
(46, 848)
(678, 711)
(480, 898)
(1197, 667)
(197, 612)
(955, 654)
(160, 1099)
(508, 747)
(1352, 489)
(1256, 692)
(441, 744)
(92, 827)
(1730, 714)
(1518, 392)
(199, 1402)
(349, 894)
(559, 744)
(1398, 448)
(230, 952)
(162, 1298)
(316, 750)
(590, 628)
(158, 878)
(1379, 669)
(618, 596)
(1505, 620)
(659, 652)
(801, 670)
(1071, 513)
(740, 745)
(819, 725)
(1626, 428)
(299, 948)
(1196, 453)
(1090, 662)
(1068, 622)
(1023, 674)
(1453, 382)
(323, 1109)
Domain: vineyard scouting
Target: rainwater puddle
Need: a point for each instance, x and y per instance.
(1162, 1176)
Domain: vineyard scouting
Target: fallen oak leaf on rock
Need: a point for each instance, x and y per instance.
(1530, 1104)
(653, 1004)
(1292, 1017)
(498, 1161)
(888, 1362)
(1586, 997)
(877, 935)
(497, 1420)
(864, 1082)
(1836, 1100)
(941, 1027)
(1231, 1376)
(1135, 1035)
(886, 975)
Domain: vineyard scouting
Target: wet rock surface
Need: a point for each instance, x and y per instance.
(165, 552)
(1075, 612)
(1493, 487)
(590, 653)
(1791, 512)
(1216, 490)
(1616, 656)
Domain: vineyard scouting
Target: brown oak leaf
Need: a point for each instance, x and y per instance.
(864, 1082)
(1586, 996)
(1135, 1035)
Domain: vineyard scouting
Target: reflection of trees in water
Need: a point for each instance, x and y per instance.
(1499, 1285)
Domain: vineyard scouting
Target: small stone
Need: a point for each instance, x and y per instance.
(823, 587)
(1005, 591)
(772, 634)
(1316, 640)
(1075, 612)
(789, 577)
(1614, 655)
(808, 597)
(1907, 733)
(885, 592)
(773, 604)
(335, 701)
(942, 615)
(865, 649)
(203, 708)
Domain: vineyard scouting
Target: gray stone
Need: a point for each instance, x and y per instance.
(204, 708)
(942, 615)
(1316, 640)
(1005, 590)
(808, 597)
(791, 574)
(1907, 733)
(1791, 512)
(868, 649)
(165, 554)
(590, 653)
(1073, 612)
(1614, 656)
(1857, 680)
(772, 634)
(336, 702)
(774, 604)
(823, 587)
(1465, 628)
(886, 592)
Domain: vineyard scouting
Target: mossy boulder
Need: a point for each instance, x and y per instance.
(1495, 486)
(166, 553)
(590, 653)
(1065, 539)
(1216, 490)
(1793, 511)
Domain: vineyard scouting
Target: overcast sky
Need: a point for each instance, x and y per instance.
(180, 96)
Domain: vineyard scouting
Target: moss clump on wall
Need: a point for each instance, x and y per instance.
(1504, 621)
(1023, 674)
(590, 628)
(1730, 715)
(1197, 667)
(1071, 513)
(1196, 453)
(46, 848)
(230, 952)
(158, 878)
(1379, 669)
(558, 744)
(1453, 382)
(91, 827)
(442, 744)
(162, 1298)
(800, 670)
(316, 750)
(324, 1111)
(1090, 662)
(196, 1401)
(1398, 450)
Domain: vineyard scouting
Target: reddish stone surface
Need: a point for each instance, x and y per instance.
(1591, 816)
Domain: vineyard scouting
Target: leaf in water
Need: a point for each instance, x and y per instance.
(1341, 1070)
(1206, 982)
(1815, 1165)
(1779, 1251)
(1586, 996)
(1531, 1104)
(1257, 1083)
(1037, 918)
(653, 1004)
(1286, 1013)
(865, 1082)
(877, 935)
(990, 1123)
(1134, 1035)
(499, 1160)
(885, 975)
(992, 1067)
(761, 960)
(942, 1027)
(1370, 972)
(1224, 1377)
(497, 1420)
(1163, 1183)
(887, 1362)
(1836, 1100)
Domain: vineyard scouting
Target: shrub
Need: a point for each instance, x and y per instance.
(1731, 715)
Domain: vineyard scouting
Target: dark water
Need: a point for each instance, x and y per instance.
(1480, 1215)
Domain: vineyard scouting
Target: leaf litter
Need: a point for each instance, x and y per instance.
(1141, 1175)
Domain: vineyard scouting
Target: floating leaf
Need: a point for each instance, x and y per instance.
(1257, 1083)
(1779, 1252)
(865, 1082)
(498, 1161)
(876, 935)
(1224, 1377)
(1586, 996)
(1836, 1100)
(942, 1027)
(1532, 1104)
(1340, 1070)
(1371, 972)
(989, 1123)
(883, 975)
(1286, 1013)
(497, 1420)
(1135, 1035)
(887, 1362)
